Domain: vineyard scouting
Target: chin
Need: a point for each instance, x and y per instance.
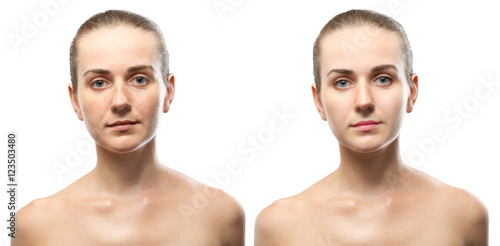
(363, 149)
(367, 149)
(370, 144)
(365, 145)
(121, 149)
(123, 146)
(124, 149)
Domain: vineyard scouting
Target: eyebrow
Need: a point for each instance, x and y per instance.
(97, 70)
(383, 67)
(373, 70)
(339, 70)
(130, 70)
(139, 67)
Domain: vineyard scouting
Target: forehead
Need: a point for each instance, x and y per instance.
(360, 48)
(114, 47)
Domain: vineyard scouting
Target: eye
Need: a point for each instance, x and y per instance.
(342, 84)
(384, 80)
(98, 84)
(140, 80)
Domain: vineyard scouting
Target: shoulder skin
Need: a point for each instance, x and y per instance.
(33, 221)
(274, 223)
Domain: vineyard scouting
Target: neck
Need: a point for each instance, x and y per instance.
(370, 174)
(126, 173)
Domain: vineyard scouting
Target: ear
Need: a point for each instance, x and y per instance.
(318, 102)
(413, 93)
(74, 102)
(169, 97)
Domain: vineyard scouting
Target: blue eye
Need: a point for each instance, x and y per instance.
(140, 80)
(384, 80)
(98, 83)
(342, 84)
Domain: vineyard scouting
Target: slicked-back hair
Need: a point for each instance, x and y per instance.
(114, 18)
(357, 18)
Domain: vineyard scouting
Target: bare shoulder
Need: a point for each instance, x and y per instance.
(222, 207)
(212, 207)
(275, 222)
(278, 223)
(464, 210)
(208, 199)
(470, 215)
(34, 219)
(37, 220)
(227, 215)
(454, 198)
(276, 215)
(279, 211)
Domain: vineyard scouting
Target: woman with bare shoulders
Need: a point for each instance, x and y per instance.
(363, 89)
(120, 86)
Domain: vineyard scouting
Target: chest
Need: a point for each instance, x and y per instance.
(376, 225)
(129, 224)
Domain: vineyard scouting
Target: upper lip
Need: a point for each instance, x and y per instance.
(366, 122)
(122, 122)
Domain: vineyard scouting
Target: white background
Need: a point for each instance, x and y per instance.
(232, 70)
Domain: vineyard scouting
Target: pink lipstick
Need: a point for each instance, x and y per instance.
(366, 125)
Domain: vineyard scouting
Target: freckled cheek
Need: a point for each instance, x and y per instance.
(93, 116)
(93, 111)
(150, 107)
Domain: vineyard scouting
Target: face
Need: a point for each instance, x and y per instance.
(120, 92)
(364, 92)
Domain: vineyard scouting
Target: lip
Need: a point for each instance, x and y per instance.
(367, 125)
(123, 125)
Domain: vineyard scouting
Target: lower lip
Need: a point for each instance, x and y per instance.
(367, 127)
(122, 128)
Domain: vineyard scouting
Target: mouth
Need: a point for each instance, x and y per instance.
(123, 125)
(366, 125)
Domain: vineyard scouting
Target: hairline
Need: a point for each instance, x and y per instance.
(157, 55)
(161, 52)
(360, 25)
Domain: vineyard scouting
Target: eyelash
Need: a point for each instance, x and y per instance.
(386, 77)
(94, 82)
(336, 83)
(146, 81)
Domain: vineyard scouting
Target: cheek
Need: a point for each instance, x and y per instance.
(336, 110)
(150, 106)
(393, 107)
(92, 110)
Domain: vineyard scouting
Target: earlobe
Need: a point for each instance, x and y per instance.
(169, 97)
(318, 102)
(412, 98)
(74, 102)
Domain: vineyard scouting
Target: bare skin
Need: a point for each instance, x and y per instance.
(402, 207)
(373, 198)
(130, 198)
(162, 207)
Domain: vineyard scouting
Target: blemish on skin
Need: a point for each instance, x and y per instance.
(145, 201)
(107, 203)
(351, 203)
(103, 205)
(388, 201)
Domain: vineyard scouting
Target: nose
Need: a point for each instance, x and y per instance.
(364, 100)
(120, 101)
